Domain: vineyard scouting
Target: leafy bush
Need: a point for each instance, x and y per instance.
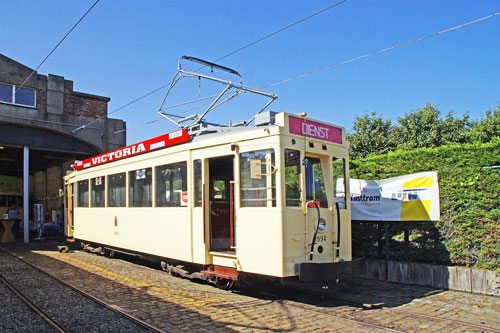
(469, 230)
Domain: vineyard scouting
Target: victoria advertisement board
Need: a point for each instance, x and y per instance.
(159, 142)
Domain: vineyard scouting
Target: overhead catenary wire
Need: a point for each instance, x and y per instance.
(381, 51)
(55, 48)
(220, 58)
(280, 30)
(364, 56)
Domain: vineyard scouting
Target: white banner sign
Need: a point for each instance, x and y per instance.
(412, 197)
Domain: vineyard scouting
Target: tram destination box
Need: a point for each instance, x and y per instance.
(265, 118)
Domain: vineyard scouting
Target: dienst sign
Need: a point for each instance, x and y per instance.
(314, 130)
(159, 142)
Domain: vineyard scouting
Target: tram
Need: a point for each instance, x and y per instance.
(223, 203)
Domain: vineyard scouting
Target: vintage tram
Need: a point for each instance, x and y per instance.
(223, 203)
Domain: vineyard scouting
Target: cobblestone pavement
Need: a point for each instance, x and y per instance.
(171, 303)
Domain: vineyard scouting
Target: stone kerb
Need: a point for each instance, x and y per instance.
(437, 276)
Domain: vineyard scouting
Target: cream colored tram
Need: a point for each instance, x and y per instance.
(265, 200)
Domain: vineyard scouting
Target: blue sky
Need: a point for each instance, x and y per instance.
(125, 49)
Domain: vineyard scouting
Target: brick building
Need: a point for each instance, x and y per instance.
(38, 118)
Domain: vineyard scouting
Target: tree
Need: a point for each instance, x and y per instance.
(487, 128)
(457, 130)
(370, 136)
(419, 128)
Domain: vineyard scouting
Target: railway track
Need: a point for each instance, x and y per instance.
(259, 307)
(52, 299)
(32, 306)
(451, 321)
(421, 318)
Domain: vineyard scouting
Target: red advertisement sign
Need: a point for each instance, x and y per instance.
(314, 130)
(184, 198)
(159, 142)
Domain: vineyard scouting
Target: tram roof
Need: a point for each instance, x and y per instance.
(296, 125)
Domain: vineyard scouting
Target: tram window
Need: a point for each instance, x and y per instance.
(315, 182)
(292, 182)
(83, 193)
(198, 188)
(139, 188)
(171, 185)
(116, 190)
(258, 179)
(97, 186)
(339, 182)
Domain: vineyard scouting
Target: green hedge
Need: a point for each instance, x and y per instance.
(469, 230)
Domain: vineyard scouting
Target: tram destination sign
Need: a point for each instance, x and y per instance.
(159, 142)
(315, 130)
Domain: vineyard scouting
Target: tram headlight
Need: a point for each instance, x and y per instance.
(322, 225)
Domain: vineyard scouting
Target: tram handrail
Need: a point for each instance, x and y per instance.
(317, 227)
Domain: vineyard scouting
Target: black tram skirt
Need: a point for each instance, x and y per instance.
(312, 272)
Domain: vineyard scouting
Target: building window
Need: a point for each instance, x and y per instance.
(258, 179)
(171, 185)
(116, 190)
(6, 93)
(83, 193)
(198, 184)
(292, 179)
(139, 188)
(97, 191)
(17, 95)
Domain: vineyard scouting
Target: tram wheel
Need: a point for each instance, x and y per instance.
(109, 253)
(225, 284)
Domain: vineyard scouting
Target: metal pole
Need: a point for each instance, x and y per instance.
(26, 194)
(387, 250)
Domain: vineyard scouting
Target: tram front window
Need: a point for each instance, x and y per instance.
(315, 182)
(339, 182)
(292, 180)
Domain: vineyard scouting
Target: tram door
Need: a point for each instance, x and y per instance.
(317, 168)
(70, 202)
(220, 202)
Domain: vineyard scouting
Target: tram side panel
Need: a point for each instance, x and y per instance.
(294, 249)
(260, 242)
(160, 231)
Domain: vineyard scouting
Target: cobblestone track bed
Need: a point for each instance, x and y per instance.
(173, 304)
(73, 311)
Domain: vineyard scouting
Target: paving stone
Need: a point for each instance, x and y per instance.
(172, 303)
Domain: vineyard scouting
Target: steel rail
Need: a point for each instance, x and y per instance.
(414, 314)
(96, 300)
(335, 316)
(32, 306)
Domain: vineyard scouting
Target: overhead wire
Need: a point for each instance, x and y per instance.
(279, 30)
(220, 58)
(364, 56)
(381, 51)
(54, 49)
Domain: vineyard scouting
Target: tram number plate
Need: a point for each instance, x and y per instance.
(320, 238)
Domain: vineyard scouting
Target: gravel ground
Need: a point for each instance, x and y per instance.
(15, 316)
(73, 311)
